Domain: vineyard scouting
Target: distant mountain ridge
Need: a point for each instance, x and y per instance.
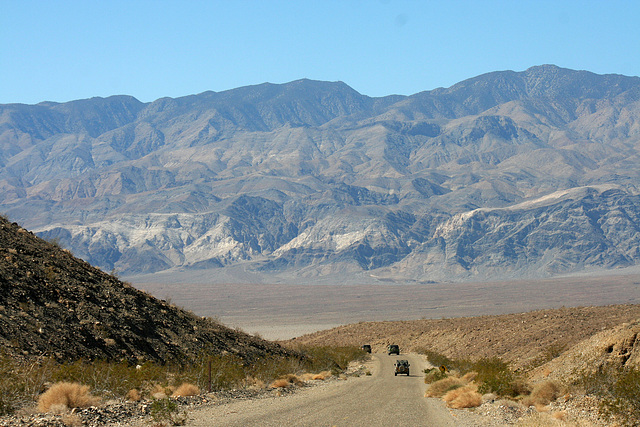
(310, 179)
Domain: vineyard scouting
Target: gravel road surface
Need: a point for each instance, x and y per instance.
(381, 399)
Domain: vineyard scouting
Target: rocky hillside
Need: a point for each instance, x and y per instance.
(505, 175)
(54, 304)
(520, 339)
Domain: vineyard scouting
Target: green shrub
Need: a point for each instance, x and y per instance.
(493, 374)
(435, 358)
(434, 374)
(165, 411)
(619, 391)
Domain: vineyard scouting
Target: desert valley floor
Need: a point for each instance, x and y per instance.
(281, 311)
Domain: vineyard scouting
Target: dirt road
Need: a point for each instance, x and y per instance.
(381, 399)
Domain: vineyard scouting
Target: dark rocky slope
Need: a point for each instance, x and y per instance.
(54, 304)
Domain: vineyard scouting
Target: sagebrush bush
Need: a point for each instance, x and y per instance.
(66, 395)
(493, 375)
(186, 389)
(165, 411)
(542, 394)
(463, 397)
(441, 387)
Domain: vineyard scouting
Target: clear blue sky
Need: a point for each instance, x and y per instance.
(60, 50)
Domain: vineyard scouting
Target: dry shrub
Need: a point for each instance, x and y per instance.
(186, 389)
(542, 394)
(133, 395)
(280, 383)
(293, 379)
(70, 395)
(463, 397)
(161, 392)
(433, 375)
(307, 377)
(469, 376)
(322, 375)
(439, 388)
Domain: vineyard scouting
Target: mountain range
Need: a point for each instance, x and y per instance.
(504, 175)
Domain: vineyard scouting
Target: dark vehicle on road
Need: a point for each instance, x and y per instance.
(402, 367)
(367, 348)
(393, 349)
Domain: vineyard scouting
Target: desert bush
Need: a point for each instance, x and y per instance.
(492, 374)
(286, 381)
(165, 411)
(133, 395)
(324, 375)
(463, 397)
(434, 374)
(161, 391)
(435, 358)
(542, 394)
(495, 376)
(280, 383)
(619, 392)
(441, 387)
(66, 395)
(186, 389)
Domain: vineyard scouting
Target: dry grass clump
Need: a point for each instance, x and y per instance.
(65, 395)
(322, 375)
(542, 394)
(441, 387)
(280, 383)
(286, 381)
(463, 397)
(161, 392)
(316, 377)
(133, 395)
(186, 389)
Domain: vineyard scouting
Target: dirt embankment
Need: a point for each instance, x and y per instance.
(519, 339)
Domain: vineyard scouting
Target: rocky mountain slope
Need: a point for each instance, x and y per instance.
(54, 304)
(508, 174)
